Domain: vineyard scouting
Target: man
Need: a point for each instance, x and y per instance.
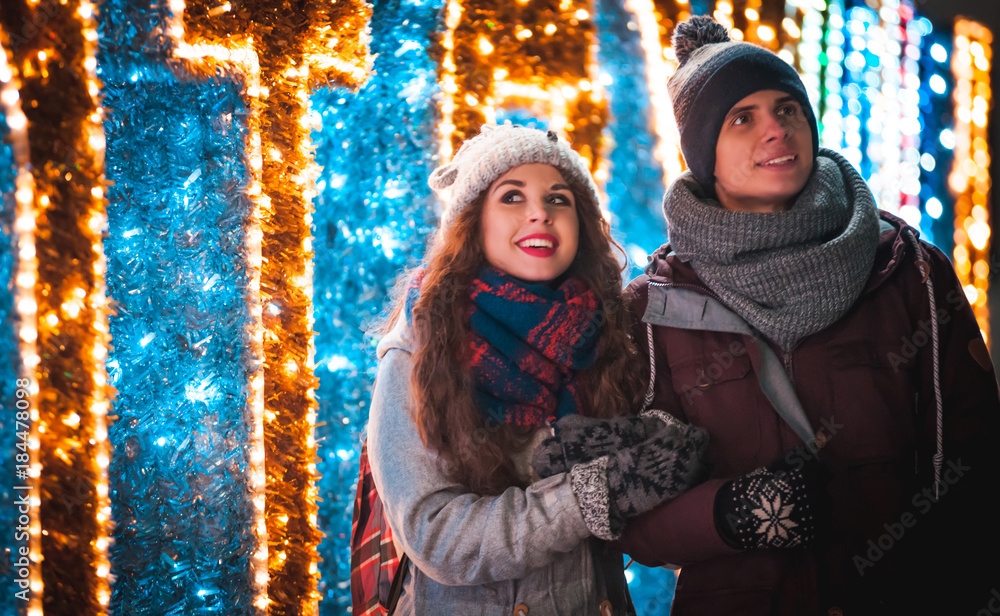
(833, 358)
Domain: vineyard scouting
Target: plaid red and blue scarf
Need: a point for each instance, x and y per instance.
(529, 346)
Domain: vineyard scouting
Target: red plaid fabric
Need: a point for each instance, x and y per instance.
(374, 560)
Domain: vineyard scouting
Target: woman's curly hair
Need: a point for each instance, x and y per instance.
(472, 452)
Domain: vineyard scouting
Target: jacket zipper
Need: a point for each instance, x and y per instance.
(787, 360)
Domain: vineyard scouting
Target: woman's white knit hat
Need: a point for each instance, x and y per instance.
(495, 151)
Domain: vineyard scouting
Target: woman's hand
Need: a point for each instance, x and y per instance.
(632, 480)
(577, 439)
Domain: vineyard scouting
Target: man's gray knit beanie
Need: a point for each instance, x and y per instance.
(495, 151)
(714, 74)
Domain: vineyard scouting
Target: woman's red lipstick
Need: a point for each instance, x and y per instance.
(538, 244)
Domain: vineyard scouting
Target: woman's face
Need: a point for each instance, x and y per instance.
(530, 225)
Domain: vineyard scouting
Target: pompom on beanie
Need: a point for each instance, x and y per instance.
(714, 74)
(496, 150)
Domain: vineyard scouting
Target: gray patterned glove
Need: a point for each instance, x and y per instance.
(631, 481)
(577, 438)
(778, 506)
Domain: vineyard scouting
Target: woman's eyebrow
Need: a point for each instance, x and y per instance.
(517, 183)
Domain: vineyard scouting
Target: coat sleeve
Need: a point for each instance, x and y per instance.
(682, 531)
(454, 536)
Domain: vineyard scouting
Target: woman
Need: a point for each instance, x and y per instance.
(517, 321)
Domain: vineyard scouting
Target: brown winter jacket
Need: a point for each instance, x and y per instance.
(866, 384)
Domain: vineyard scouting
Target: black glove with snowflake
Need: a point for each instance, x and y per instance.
(577, 439)
(781, 505)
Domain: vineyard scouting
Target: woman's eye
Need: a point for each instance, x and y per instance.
(558, 199)
(513, 196)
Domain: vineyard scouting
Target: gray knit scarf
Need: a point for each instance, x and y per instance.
(788, 274)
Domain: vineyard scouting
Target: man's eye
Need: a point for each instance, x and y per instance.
(741, 119)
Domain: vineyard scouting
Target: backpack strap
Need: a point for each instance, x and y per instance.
(397, 584)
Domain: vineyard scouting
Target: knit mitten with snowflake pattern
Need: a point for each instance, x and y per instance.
(781, 505)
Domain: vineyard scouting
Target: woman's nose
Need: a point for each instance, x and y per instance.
(537, 211)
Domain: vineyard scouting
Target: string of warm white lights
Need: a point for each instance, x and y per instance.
(755, 30)
(724, 15)
(911, 35)
(547, 66)
(27, 308)
(203, 58)
(449, 87)
(660, 65)
(885, 143)
(832, 102)
(71, 337)
(970, 178)
(98, 303)
(809, 49)
(854, 104)
(287, 61)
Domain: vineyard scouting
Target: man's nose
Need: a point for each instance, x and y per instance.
(777, 127)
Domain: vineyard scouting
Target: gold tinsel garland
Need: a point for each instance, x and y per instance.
(58, 95)
(28, 468)
(535, 54)
(285, 53)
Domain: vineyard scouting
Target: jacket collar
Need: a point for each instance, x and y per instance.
(666, 268)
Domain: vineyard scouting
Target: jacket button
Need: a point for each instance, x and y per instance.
(835, 611)
(606, 609)
(521, 610)
(820, 444)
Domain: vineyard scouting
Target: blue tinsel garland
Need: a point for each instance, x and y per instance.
(373, 215)
(10, 368)
(636, 184)
(177, 216)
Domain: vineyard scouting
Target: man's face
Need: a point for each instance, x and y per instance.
(764, 154)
